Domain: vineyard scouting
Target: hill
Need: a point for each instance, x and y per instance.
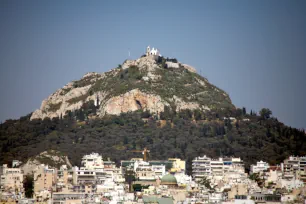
(150, 102)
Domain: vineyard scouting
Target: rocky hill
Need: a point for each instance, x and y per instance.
(150, 102)
(149, 83)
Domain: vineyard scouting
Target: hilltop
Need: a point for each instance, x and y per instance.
(149, 83)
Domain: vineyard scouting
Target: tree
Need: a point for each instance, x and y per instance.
(167, 113)
(239, 112)
(206, 182)
(197, 114)
(129, 178)
(28, 185)
(145, 114)
(265, 113)
(125, 140)
(243, 110)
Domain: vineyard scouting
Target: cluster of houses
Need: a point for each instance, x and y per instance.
(221, 180)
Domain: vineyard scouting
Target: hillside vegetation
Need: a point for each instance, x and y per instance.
(186, 134)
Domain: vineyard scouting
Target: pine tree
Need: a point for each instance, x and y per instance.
(243, 111)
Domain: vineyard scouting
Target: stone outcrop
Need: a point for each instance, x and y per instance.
(69, 98)
(132, 101)
(189, 68)
(147, 63)
(181, 104)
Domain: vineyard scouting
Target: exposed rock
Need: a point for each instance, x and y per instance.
(132, 101)
(51, 158)
(181, 104)
(190, 68)
(148, 63)
(67, 102)
(128, 63)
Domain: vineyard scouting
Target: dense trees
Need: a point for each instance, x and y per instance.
(186, 135)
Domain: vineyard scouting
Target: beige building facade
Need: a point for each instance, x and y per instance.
(44, 179)
(11, 180)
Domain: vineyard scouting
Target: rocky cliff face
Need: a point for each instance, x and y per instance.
(146, 83)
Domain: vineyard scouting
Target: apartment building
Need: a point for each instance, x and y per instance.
(291, 167)
(303, 169)
(11, 180)
(44, 179)
(93, 161)
(216, 166)
(62, 177)
(205, 166)
(144, 171)
(260, 167)
(201, 167)
(178, 165)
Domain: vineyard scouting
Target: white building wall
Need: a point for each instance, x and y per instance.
(261, 166)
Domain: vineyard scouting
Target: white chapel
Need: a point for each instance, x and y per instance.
(153, 51)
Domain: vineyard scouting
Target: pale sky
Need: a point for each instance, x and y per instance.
(254, 50)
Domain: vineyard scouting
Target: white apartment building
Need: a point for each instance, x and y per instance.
(217, 167)
(93, 161)
(96, 171)
(85, 176)
(144, 171)
(205, 166)
(159, 170)
(260, 167)
(113, 172)
(201, 167)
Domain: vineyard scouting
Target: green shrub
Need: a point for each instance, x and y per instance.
(77, 99)
(54, 107)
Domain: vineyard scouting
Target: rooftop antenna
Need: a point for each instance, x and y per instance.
(129, 53)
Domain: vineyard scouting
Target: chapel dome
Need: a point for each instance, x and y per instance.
(168, 180)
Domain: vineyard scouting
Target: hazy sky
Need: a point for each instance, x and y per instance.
(254, 50)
